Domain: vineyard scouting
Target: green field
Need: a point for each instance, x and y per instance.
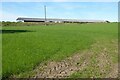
(25, 47)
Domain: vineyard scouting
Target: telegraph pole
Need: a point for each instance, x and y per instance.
(45, 14)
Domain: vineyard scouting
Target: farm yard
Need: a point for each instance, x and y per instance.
(60, 50)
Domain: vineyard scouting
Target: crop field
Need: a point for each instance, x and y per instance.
(90, 50)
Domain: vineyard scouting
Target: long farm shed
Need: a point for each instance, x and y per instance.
(57, 20)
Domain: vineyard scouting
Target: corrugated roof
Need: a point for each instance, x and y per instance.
(53, 19)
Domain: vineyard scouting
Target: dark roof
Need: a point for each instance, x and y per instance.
(53, 19)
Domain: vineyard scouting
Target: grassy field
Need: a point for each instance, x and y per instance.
(25, 47)
(0, 52)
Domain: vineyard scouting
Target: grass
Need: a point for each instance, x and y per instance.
(26, 47)
(0, 52)
(100, 67)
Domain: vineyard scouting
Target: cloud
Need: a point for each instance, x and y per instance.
(9, 17)
(85, 0)
(59, 0)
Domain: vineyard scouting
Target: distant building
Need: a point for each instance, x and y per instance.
(58, 20)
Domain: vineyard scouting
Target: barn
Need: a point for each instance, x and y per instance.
(55, 20)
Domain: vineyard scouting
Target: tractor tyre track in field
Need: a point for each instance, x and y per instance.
(114, 72)
(101, 64)
(65, 67)
(108, 69)
(104, 63)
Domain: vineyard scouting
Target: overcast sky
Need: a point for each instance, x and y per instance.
(72, 10)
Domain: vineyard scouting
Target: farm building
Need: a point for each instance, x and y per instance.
(57, 20)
